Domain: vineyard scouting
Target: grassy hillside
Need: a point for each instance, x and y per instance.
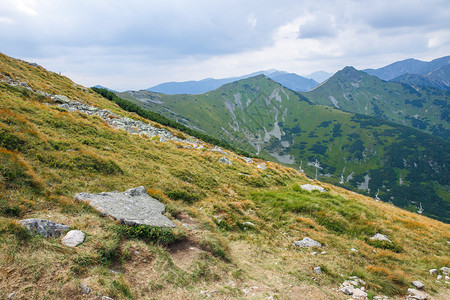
(423, 108)
(404, 166)
(49, 154)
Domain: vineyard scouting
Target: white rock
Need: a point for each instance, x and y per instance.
(318, 270)
(307, 242)
(439, 277)
(380, 237)
(418, 285)
(353, 250)
(433, 271)
(418, 295)
(359, 294)
(445, 269)
(73, 238)
(309, 187)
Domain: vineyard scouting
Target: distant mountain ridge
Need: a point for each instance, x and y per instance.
(435, 73)
(290, 80)
(421, 107)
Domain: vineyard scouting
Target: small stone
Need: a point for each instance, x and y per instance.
(348, 290)
(359, 294)
(353, 250)
(418, 285)
(318, 270)
(445, 269)
(418, 295)
(249, 224)
(313, 253)
(323, 252)
(382, 297)
(225, 161)
(11, 295)
(439, 277)
(85, 289)
(262, 166)
(73, 238)
(307, 242)
(380, 237)
(248, 160)
(433, 271)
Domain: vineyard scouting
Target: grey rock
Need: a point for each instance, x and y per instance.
(44, 227)
(433, 271)
(85, 289)
(249, 224)
(439, 277)
(11, 295)
(262, 166)
(348, 290)
(60, 99)
(248, 160)
(225, 161)
(418, 285)
(418, 295)
(310, 187)
(307, 242)
(73, 238)
(318, 270)
(218, 149)
(380, 237)
(132, 207)
(359, 294)
(445, 269)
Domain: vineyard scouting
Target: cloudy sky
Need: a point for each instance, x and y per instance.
(136, 44)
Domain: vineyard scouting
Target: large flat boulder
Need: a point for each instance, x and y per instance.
(132, 207)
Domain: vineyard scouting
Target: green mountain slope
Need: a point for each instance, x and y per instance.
(402, 165)
(355, 91)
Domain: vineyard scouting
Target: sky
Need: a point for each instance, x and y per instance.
(136, 44)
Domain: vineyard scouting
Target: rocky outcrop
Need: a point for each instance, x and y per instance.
(354, 287)
(44, 227)
(225, 161)
(132, 207)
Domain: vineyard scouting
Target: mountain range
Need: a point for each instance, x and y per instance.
(290, 80)
(435, 73)
(368, 154)
(244, 227)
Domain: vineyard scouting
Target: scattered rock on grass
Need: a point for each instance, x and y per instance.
(44, 227)
(225, 161)
(132, 207)
(73, 238)
(318, 270)
(309, 187)
(418, 295)
(380, 237)
(306, 242)
(85, 289)
(418, 285)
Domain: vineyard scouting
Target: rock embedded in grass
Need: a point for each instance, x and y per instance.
(309, 187)
(225, 161)
(307, 242)
(44, 227)
(380, 237)
(418, 285)
(132, 207)
(73, 238)
(418, 295)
